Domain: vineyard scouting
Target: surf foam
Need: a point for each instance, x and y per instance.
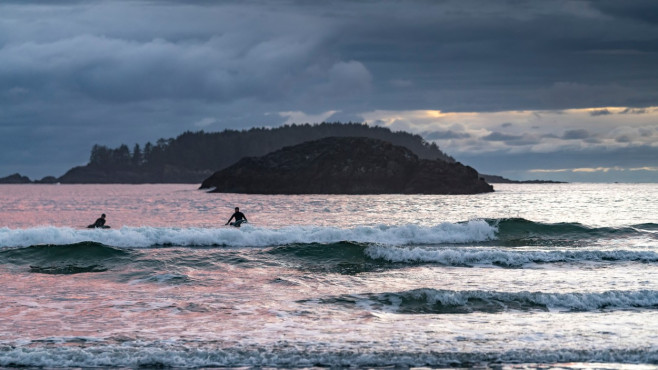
(427, 300)
(250, 236)
(487, 256)
(298, 355)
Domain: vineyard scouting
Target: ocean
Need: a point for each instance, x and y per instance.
(532, 275)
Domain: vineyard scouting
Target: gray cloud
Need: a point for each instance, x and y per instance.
(578, 134)
(642, 10)
(511, 140)
(600, 112)
(518, 165)
(623, 139)
(290, 48)
(109, 72)
(444, 135)
(497, 136)
(633, 111)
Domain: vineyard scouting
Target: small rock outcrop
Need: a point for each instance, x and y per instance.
(16, 178)
(495, 179)
(47, 180)
(346, 165)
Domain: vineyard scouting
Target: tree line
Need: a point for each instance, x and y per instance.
(202, 151)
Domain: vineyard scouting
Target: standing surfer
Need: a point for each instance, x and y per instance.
(240, 218)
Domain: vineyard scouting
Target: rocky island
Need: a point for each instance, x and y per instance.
(346, 165)
(193, 156)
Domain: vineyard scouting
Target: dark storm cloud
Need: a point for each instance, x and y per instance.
(76, 73)
(642, 10)
(529, 54)
(486, 53)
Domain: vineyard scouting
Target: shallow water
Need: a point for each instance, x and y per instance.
(542, 275)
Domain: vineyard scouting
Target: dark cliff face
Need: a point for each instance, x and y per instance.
(345, 165)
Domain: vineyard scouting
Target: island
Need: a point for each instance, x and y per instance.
(15, 178)
(193, 156)
(346, 165)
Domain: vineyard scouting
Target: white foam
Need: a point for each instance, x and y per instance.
(555, 301)
(148, 355)
(475, 256)
(250, 236)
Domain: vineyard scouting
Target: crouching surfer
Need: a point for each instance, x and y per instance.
(239, 218)
(99, 224)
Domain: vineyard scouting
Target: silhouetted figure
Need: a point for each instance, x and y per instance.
(99, 224)
(239, 218)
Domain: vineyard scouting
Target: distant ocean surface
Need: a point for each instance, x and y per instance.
(539, 275)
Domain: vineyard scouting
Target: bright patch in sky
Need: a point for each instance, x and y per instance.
(301, 117)
(534, 131)
(513, 133)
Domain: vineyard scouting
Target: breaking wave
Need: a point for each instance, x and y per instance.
(461, 256)
(433, 301)
(65, 259)
(301, 355)
(249, 236)
(506, 232)
(520, 228)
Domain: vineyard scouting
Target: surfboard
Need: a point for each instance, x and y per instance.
(94, 227)
(238, 223)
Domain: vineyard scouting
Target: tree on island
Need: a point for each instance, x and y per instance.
(193, 156)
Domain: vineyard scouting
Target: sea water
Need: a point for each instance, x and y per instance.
(531, 275)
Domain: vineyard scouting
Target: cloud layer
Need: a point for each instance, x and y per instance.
(541, 144)
(75, 73)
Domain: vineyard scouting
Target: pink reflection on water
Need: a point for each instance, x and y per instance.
(92, 305)
(183, 205)
(125, 205)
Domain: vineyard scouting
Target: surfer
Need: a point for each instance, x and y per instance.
(239, 218)
(100, 223)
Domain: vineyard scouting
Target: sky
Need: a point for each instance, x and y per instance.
(563, 90)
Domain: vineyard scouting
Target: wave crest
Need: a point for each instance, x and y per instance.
(520, 228)
(510, 232)
(250, 236)
(508, 258)
(144, 354)
(433, 301)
